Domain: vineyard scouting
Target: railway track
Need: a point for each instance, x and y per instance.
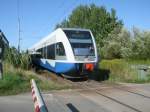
(87, 85)
(98, 88)
(91, 85)
(133, 92)
(115, 100)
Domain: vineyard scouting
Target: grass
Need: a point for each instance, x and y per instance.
(121, 70)
(19, 60)
(17, 81)
(141, 62)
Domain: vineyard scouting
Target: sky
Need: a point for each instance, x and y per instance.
(38, 18)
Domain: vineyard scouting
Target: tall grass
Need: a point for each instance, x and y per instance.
(121, 70)
(16, 76)
(141, 62)
(18, 60)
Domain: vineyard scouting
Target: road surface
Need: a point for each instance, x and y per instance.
(126, 98)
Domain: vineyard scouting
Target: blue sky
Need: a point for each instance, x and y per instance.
(39, 17)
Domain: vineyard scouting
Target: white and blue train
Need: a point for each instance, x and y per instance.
(66, 50)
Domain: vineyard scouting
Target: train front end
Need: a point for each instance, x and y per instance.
(84, 50)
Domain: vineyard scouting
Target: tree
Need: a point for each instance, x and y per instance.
(140, 44)
(98, 19)
(117, 45)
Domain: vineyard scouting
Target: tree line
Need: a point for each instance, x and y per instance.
(113, 40)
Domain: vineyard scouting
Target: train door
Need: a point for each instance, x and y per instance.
(60, 51)
(44, 49)
(50, 52)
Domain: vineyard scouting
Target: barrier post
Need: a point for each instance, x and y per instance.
(39, 103)
(1, 65)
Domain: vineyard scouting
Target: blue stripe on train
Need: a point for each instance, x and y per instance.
(60, 67)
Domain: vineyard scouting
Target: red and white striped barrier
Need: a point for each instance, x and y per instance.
(39, 103)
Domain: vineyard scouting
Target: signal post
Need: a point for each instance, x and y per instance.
(1, 66)
(4, 43)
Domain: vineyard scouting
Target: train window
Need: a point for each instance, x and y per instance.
(40, 52)
(72, 34)
(35, 56)
(60, 51)
(44, 52)
(51, 51)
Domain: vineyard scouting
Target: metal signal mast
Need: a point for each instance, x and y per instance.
(19, 31)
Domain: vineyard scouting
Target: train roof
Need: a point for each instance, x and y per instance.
(78, 29)
(53, 33)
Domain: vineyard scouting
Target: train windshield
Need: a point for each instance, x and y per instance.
(83, 49)
(81, 42)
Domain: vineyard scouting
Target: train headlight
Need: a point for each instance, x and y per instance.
(89, 66)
